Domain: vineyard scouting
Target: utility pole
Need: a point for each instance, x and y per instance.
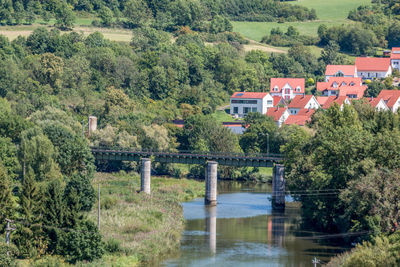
(98, 209)
(267, 144)
(8, 232)
(315, 261)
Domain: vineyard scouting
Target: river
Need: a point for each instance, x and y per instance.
(242, 230)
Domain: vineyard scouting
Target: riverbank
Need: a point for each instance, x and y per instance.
(138, 228)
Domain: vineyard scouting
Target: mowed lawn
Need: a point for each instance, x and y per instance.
(329, 12)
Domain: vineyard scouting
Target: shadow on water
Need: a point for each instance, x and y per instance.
(242, 230)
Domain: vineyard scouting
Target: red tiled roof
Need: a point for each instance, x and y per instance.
(293, 82)
(300, 101)
(372, 64)
(345, 69)
(321, 100)
(374, 101)
(352, 90)
(275, 113)
(277, 100)
(389, 96)
(253, 95)
(334, 99)
(395, 53)
(297, 119)
(305, 112)
(322, 86)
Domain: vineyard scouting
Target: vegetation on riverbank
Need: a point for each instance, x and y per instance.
(136, 227)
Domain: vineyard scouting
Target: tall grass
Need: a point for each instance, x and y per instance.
(137, 227)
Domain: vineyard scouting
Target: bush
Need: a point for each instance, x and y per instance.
(113, 246)
(6, 260)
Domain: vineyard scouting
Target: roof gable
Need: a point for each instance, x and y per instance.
(292, 82)
(301, 101)
(276, 113)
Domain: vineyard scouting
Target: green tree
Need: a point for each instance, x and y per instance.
(64, 15)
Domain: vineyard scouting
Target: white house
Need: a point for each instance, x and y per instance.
(391, 99)
(245, 102)
(303, 102)
(340, 71)
(279, 115)
(370, 67)
(395, 58)
(287, 88)
(378, 103)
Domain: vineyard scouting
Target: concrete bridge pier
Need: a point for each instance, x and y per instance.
(278, 188)
(211, 227)
(145, 173)
(211, 183)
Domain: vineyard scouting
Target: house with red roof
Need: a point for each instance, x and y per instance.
(287, 88)
(328, 101)
(391, 99)
(245, 102)
(337, 84)
(340, 71)
(378, 103)
(395, 58)
(372, 67)
(278, 114)
(300, 120)
(303, 102)
(279, 101)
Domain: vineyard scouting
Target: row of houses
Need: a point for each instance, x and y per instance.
(287, 102)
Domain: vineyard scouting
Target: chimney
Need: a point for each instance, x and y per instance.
(277, 108)
(92, 124)
(309, 108)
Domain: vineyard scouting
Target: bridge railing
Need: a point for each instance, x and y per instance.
(187, 152)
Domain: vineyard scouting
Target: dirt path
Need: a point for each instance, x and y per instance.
(253, 45)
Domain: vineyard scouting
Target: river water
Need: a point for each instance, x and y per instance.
(242, 230)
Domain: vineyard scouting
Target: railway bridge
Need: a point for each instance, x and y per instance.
(210, 160)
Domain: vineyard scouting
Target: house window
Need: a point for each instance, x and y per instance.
(287, 91)
(339, 74)
(253, 109)
(244, 101)
(276, 88)
(235, 110)
(269, 102)
(246, 110)
(352, 84)
(344, 84)
(298, 89)
(335, 85)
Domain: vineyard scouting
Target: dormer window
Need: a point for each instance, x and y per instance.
(352, 84)
(335, 85)
(298, 89)
(339, 74)
(276, 89)
(344, 84)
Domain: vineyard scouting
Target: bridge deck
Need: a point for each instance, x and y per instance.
(186, 157)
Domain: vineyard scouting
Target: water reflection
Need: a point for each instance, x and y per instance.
(242, 230)
(211, 223)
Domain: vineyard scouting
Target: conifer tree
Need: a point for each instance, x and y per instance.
(30, 199)
(7, 205)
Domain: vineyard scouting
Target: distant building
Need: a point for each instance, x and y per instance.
(303, 102)
(235, 127)
(371, 67)
(391, 99)
(342, 86)
(395, 58)
(300, 120)
(287, 88)
(340, 71)
(278, 114)
(246, 102)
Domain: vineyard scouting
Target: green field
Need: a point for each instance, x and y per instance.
(329, 12)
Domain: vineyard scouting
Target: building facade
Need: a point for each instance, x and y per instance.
(243, 103)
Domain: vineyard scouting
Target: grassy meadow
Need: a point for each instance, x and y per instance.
(329, 12)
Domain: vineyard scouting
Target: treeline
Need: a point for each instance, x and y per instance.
(380, 19)
(347, 168)
(291, 37)
(46, 169)
(166, 15)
